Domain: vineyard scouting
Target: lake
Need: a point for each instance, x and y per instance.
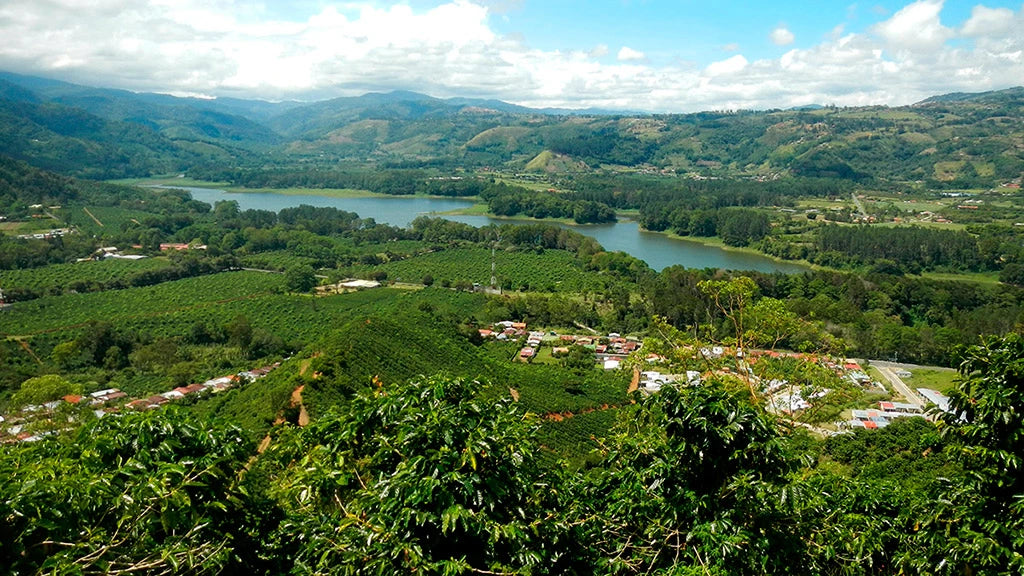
(658, 250)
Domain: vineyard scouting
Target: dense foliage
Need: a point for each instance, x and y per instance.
(400, 476)
(155, 492)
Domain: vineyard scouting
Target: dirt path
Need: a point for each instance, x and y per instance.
(94, 219)
(295, 400)
(634, 384)
(30, 352)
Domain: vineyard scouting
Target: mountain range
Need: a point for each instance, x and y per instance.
(107, 133)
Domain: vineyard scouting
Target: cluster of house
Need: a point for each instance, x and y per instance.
(787, 399)
(781, 396)
(47, 235)
(13, 427)
(608, 350)
(790, 399)
(533, 342)
(110, 252)
(886, 412)
(210, 386)
(504, 330)
(166, 246)
(111, 400)
(349, 285)
(652, 381)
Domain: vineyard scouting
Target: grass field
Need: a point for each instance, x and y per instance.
(941, 380)
(978, 277)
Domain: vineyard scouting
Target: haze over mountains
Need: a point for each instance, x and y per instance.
(107, 133)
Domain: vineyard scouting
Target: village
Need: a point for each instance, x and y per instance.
(31, 423)
(649, 373)
(611, 352)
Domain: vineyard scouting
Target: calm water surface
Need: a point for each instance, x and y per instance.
(658, 250)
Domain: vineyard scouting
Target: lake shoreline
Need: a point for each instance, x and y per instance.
(658, 249)
(185, 184)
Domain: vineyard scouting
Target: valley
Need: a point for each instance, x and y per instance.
(395, 333)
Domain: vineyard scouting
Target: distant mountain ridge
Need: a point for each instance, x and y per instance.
(949, 140)
(1016, 92)
(191, 118)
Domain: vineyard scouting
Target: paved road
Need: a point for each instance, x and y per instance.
(900, 386)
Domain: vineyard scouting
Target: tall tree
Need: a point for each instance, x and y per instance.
(978, 524)
(419, 477)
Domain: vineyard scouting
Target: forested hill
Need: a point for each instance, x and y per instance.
(73, 141)
(956, 140)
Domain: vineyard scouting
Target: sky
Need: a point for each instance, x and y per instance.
(638, 55)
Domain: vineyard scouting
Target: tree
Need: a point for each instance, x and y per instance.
(984, 508)
(225, 210)
(740, 227)
(239, 331)
(579, 360)
(153, 493)
(69, 355)
(300, 278)
(731, 297)
(693, 478)
(161, 354)
(414, 478)
(43, 389)
(1012, 273)
(770, 322)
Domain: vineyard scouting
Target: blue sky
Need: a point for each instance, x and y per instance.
(654, 55)
(700, 31)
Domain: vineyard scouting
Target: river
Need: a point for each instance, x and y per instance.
(658, 250)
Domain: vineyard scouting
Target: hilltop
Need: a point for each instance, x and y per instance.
(95, 132)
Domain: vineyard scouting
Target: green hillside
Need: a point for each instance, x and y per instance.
(952, 141)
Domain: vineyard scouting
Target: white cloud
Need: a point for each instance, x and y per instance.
(233, 48)
(989, 22)
(781, 36)
(916, 27)
(627, 54)
(730, 65)
(733, 47)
